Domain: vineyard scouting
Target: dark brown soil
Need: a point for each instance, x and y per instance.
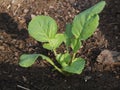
(14, 41)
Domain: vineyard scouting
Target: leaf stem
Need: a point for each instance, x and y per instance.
(52, 63)
(73, 57)
(74, 54)
(55, 53)
(57, 68)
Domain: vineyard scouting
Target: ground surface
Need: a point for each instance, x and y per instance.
(14, 41)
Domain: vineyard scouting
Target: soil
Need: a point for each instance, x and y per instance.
(15, 40)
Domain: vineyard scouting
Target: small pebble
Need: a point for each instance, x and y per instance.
(86, 78)
(26, 11)
(71, 1)
(118, 77)
(118, 58)
(2, 48)
(51, 7)
(32, 15)
(1, 37)
(21, 46)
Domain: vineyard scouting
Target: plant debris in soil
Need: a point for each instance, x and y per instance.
(99, 74)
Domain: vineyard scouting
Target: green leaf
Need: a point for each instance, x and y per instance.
(26, 60)
(75, 45)
(54, 43)
(68, 35)
(47, 46)
(97, 8)
(42, 28)
(63, 59)
(59, 38)
(90, 27)
(76, 66)
(87, 21)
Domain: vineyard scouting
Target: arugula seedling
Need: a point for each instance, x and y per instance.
(44, 29)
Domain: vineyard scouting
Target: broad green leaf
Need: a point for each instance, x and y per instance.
(84, 21)
(54, 43)
(76, 66)
(90, 27)
(63, 59)
(68, 35)
(75, 45)
(26, 60)
(42, 28)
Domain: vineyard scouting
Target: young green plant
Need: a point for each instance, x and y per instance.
(44, 29)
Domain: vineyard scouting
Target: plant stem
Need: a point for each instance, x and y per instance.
(73, 57)
(55, 53)
(57, 68)
(53, 64)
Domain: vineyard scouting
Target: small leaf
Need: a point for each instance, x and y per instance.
(63, 59)
(54, 43)
(87, 21)
(42, 28)
(59, 38)
(76, 66)
(68, 35)
(75, 45)
(26, 60)
(47, 46)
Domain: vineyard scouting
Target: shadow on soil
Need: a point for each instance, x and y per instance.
(8, 24)
(110, 24)
(36, 78)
